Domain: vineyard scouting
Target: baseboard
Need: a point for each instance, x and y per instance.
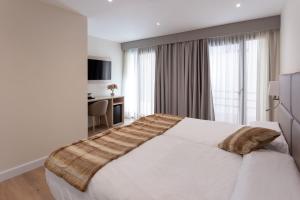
(21, 169)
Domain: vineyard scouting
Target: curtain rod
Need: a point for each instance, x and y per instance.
(256, 25)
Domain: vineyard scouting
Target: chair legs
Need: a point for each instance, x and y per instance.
(93, 123)
(99, 118)
(105, 117)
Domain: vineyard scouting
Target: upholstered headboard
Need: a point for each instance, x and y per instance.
(289, 112)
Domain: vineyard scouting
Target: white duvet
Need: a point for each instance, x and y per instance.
(182, 164)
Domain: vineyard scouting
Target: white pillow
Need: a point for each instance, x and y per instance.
(267, 175)
(279, 144)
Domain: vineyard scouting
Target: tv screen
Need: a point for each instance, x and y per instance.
(99, 70)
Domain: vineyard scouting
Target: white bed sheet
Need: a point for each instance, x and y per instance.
(184, 163)
(267, 175)
(202, 131)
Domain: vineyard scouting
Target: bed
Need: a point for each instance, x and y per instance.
(185, 163)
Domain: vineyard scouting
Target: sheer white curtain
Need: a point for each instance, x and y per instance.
(257, 76)
(224, 55)
(138, 82)
(251, 83)
(240, 76)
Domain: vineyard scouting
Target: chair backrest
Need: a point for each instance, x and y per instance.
(98, 108)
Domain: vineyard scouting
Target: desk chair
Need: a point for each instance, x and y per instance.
(98, 109)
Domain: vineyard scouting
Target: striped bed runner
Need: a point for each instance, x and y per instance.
(78, 162)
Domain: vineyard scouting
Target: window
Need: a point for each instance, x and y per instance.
(138, 82)
(237, 67)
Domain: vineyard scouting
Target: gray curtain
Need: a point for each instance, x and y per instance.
(182, 80)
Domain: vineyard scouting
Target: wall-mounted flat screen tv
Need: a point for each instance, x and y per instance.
(99, 69)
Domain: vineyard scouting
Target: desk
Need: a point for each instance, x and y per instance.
(115, 106)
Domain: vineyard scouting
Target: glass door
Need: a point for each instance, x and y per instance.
(233, 64)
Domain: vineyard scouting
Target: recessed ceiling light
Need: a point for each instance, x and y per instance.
(110, 1)
(238, 5)
(157, 23)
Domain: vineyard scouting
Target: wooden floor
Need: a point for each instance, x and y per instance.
(102, 128)
(29, 186)
(99, 129)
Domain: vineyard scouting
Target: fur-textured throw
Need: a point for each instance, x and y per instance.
(78, 162)
(248, 139)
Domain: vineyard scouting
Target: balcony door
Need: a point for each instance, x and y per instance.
(234, 66)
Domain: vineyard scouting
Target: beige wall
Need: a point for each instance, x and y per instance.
(107, 50)
(43, 72)
(290, 37)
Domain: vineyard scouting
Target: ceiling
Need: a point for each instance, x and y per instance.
(128, 20)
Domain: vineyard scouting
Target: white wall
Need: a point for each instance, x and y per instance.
(108, 50)
(43, 80)
(290, 37)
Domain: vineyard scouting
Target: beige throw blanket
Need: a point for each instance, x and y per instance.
(77, 163)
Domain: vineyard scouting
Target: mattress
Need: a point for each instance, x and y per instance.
(184, 163)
